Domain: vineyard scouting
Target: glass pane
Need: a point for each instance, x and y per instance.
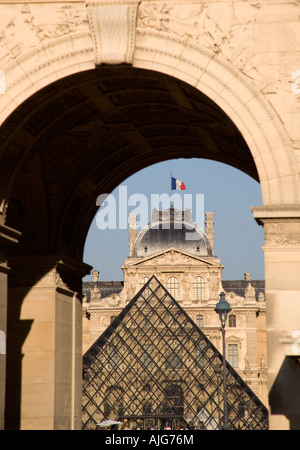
(164, 373)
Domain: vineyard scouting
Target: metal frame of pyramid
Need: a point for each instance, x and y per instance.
(153, 367)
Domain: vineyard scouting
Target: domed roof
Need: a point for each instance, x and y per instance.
(171, 228)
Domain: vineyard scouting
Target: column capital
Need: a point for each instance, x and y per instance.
(56, 271)
(278, 212)
(281, 226)
(8, 237)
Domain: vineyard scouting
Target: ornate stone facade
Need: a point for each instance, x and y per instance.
(224, 78)
(195, 281)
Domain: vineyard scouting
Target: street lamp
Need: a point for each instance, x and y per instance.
(223, 308)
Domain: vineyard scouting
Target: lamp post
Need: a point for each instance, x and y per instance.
(223, 308)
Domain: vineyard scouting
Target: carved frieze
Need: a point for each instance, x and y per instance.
(173, 257)
(238, 34)
(281, 224)
(193, 21)
(65, 19)
(282, 234)
(23, 26)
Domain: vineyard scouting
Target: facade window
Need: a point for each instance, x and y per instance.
(113, 356)
(173, 401)
(146, 357)
(173, 355)
(200, 321)
(113, 402)
(200, 359)
(172, 287)
(144, 280)
(199, 288)
(233, 355)
(232, 320)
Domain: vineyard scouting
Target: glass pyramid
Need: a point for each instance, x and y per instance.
(154, 368)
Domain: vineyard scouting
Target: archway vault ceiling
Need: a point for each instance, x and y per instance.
(85, 134)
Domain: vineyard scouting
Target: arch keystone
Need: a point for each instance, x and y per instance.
(113, 27)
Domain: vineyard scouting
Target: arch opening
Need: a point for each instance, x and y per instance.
(84, 134)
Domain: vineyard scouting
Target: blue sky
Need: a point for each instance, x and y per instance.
(227, 191)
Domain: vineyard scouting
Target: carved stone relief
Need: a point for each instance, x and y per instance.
(215, 285)
(64, 20)
(191, 22)
(233, 298)
(24, 27)
(258, 39)
(282, 234)
(174, 257)
(250, 292)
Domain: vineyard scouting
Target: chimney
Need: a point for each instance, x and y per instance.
(95, 274)
(247, 276)
(95, 292)
(209, 223)
(132, 231)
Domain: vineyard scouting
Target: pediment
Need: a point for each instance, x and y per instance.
(173, 256)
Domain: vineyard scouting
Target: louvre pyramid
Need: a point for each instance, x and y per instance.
(153, 367)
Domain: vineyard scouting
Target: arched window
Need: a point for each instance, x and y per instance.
(172, 287)
(199, 288)
(173, 401)
(147, 291)
(113, 402)
(144, 280)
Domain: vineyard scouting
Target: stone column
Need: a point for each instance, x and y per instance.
(44, 343)
(209, 223)
(132, 231)
(282, 277)
(8, 236)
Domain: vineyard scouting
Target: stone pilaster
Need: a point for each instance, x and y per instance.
(282, 268)
(209, 223)
(132, 231)
(45, 343)
(8, 237)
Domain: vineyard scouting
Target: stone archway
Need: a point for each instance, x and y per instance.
(200, 89)
(163, 39)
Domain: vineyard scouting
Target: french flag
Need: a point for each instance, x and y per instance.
(178, 185)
